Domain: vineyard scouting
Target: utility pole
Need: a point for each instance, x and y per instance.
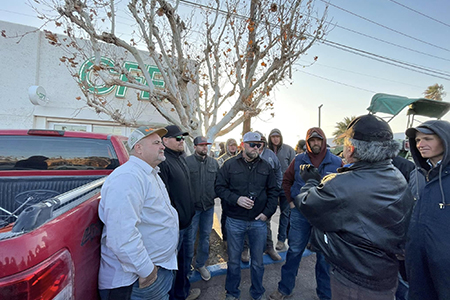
(250, 54)
(320, 106)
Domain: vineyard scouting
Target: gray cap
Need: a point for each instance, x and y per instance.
(143, 132)
(411, 132)
(252, 137)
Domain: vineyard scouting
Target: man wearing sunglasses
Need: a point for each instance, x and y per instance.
(175, 174)
(248, 187)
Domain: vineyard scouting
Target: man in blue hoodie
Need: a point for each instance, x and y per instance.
(319, 156)
(428, 243)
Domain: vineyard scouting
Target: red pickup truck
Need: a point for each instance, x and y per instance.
(50, 232)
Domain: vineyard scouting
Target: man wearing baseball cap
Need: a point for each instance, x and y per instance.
(427, 249)
(140, 233)
(203, 176)
(248, 188)
(175, 174)
(360, 215)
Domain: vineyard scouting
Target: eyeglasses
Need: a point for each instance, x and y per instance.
(179, 138)
(252, 145)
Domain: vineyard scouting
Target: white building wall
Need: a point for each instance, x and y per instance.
(33, 61)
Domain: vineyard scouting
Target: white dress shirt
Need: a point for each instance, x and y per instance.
(141, 226)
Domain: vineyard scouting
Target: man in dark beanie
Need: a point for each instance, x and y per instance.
(360, 215)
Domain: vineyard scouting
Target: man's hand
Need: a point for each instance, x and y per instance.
(292, 205)
(261, 217)
(147, 281)
(308, 172)
(245, 202)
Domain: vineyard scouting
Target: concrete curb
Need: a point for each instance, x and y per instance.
(221, 269)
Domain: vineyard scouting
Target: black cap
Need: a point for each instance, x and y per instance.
(315, 135)
(369, 128)
(201, 140)
(411, 132)
(173, 131)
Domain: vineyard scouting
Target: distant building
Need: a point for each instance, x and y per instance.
(54, 92)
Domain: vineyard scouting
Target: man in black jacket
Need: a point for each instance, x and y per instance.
(203, 176)
(175, 174)
(247, 186)
(360, 215)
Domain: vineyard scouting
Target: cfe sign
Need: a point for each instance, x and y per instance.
(87, 76)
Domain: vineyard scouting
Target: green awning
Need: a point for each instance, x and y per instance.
(393, 105)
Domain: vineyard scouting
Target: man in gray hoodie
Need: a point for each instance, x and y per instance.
(285, 155)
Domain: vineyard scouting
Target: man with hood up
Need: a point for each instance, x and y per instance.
(320, 157)
(231, 150)
(428, 243)
(360, 215)
(285, 155)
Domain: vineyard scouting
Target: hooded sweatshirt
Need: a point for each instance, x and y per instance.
(428, 240)
(284, 152)
(325, 161)
(227, 154)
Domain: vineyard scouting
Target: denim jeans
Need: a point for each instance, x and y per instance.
(181, 284)
(285, 211)
(202, 221)
(269, 241)
(257, 232)
(158, 290)
(121, 293)
(299, 234)
(344, 289)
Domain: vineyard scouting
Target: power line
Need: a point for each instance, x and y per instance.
(390, 43)
(420, 13)
(337, 82)
(385, 27)
(367, 75)
(385, 60)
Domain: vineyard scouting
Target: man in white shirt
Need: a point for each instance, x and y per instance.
(140, 236)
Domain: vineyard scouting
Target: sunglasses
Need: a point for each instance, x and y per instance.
(252, 145)
(179, 138)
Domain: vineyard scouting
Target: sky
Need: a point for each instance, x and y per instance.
(343, 82)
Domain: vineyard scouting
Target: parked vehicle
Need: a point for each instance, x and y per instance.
(50, 232)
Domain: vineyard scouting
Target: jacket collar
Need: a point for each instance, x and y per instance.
(173, 153)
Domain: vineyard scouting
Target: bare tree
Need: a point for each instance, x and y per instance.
(214, 75)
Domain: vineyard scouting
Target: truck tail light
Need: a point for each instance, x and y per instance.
(51, 279)
(45, 132)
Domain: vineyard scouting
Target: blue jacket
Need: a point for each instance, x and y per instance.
(329, 165)
(428, 243)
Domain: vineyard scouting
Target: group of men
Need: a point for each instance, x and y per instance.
(355, 213)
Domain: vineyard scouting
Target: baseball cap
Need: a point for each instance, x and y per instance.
(369, 128)
(411, 132)
(275, 132)
(173, 131)
(316, 135)
(252, 137)
(201, 140)
(142, 132)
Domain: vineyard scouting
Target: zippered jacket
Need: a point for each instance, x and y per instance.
(238, 178)
(360, 216)
(203, 174)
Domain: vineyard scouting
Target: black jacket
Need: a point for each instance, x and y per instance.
(175, 174)
(238, 178)
(360, 217)
(203, 176)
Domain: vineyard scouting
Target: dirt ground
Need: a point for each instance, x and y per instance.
(217, 253)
